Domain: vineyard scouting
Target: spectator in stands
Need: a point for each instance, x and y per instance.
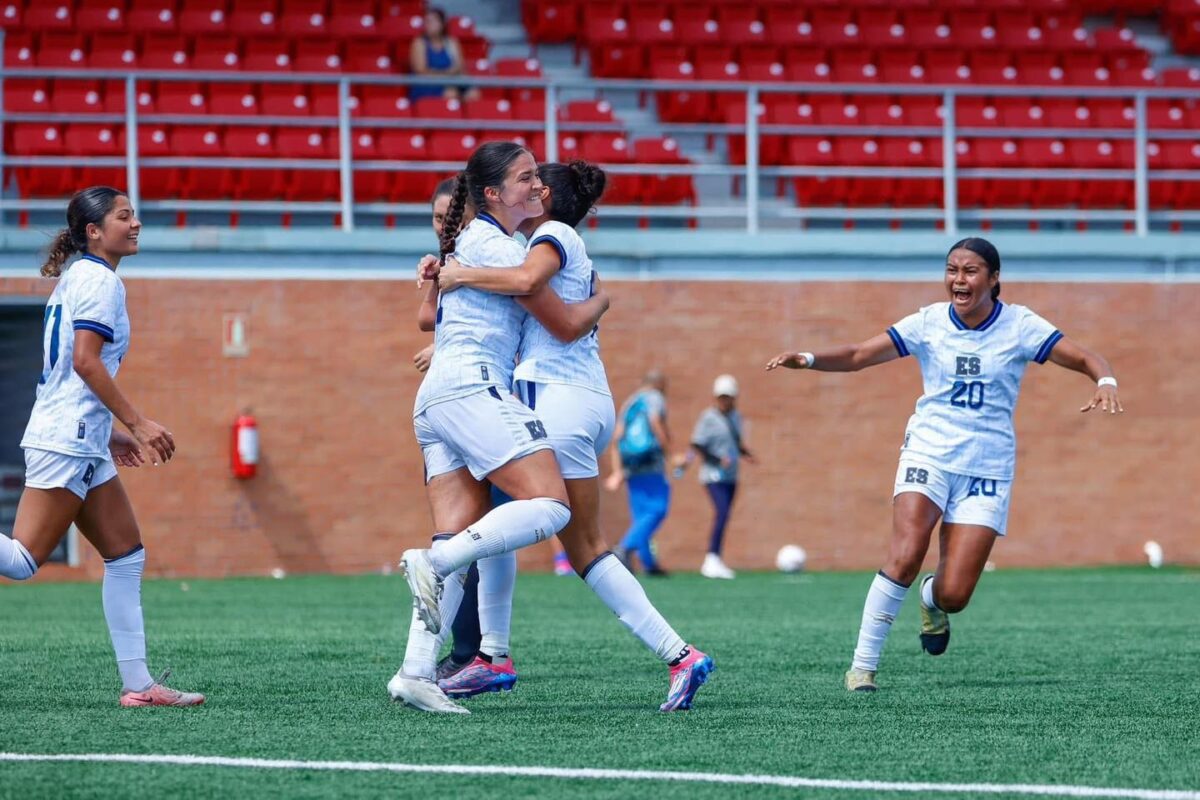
(639, 458)
(717, 440)
(437, 53)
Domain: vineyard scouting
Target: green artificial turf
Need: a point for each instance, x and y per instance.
(1083, 677)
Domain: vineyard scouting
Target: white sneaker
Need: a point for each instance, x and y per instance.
(714, 567)
(426, 587)
(422, 694)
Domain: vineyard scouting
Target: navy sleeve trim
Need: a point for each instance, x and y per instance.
(545, 239)
(898, 341)
(95, 327)
(1043, 352)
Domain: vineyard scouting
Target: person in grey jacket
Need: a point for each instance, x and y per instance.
(717, 441)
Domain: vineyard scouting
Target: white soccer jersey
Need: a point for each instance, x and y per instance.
(67, 416)
(477, 333)
(545, 359)
(964, 421)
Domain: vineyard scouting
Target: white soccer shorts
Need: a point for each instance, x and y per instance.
(47, 470)
(482, 432)
(579, 421)
(962, 499)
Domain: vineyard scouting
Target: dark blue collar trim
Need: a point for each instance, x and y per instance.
(97, 259)
(983, 326)
(486, 217)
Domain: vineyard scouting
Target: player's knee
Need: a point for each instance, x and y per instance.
(555, 514)
(18, 564)
(952, 599)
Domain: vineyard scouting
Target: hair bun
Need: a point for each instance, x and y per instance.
(591, 180)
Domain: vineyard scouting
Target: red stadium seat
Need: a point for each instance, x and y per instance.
(606, 148)
(1111, 113)
(27, 95)
(61, 50)
(697, 26)
(947, 66)
(926, 29)
(901, 66)
(807, 66)
(18, 50)
(285, 100)
(12, 15)
(1063, 113)
(77, 97)
(318, 55)
(993, 68)
(303, 18)
(438, 108)
(882, 29)
(816, 191)
(385, 101)
(249, 142)
(267, 54)
(1165, 114)
(166, 51)
(976, 112)
(488, 109)
(455, 146)
(233, 99)
(740, 24)
(217, 53)
(835, 27)
(552, 21)
(254, 18)
(663, 189)
(153, 16)
(789, 26)
(181, 98)
(371, 56)
(55, 15)
(354, 19)
(401, 20)
(586, 111)
(100, 15)
(113, 51)
(204, 17)
(91, 140)
(854, 66)
(37, 139)
(618, 61)
(651, 24)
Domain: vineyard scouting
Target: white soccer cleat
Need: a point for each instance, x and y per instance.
(422, 694)
(426, 587)
(714, 567)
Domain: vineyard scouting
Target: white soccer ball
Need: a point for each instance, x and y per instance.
(791, 558)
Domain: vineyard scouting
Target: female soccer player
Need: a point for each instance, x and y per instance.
(470, 426)
(564, 382)
(71, 448)
(959, 449)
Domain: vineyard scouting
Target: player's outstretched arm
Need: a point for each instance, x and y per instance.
(1078, 358)
(565, 321)
(539, 267)
(87, 364)
(849, 358)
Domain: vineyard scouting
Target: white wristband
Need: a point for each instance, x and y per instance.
(1107, 381)
(809, 358)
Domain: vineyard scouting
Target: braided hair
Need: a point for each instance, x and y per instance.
(486, 167)
(88, 207)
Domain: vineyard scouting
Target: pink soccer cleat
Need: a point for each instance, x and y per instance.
(478, 677)
(159, 695)
(686, 679)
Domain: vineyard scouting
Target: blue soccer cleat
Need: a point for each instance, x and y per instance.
(479, 677)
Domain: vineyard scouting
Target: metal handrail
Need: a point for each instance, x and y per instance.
(753, 129)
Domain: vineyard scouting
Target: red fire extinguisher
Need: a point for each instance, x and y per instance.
(245, 446)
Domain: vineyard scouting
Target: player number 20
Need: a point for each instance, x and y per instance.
(967, 394)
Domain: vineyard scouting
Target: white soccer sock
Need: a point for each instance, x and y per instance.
(497, 580)
(420, 652)
(122, 596)
(615, 585)
(504, 529)
(883, 603)
(927, 593)
(15, 561)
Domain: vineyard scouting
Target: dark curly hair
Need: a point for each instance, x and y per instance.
(88, 207)
(574, 189)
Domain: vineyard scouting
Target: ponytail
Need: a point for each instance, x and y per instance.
(88, 207)
(574, 189)
(591, 181)
(454, 216)
(62, 248)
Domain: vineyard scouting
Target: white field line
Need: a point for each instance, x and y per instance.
(1040, 790)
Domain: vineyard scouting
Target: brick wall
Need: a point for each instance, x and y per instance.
(330, 379)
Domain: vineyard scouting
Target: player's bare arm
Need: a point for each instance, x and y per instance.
(1076, 357)
(542, 263)
(848, 358)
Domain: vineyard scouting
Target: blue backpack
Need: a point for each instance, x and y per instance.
(638, 446)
